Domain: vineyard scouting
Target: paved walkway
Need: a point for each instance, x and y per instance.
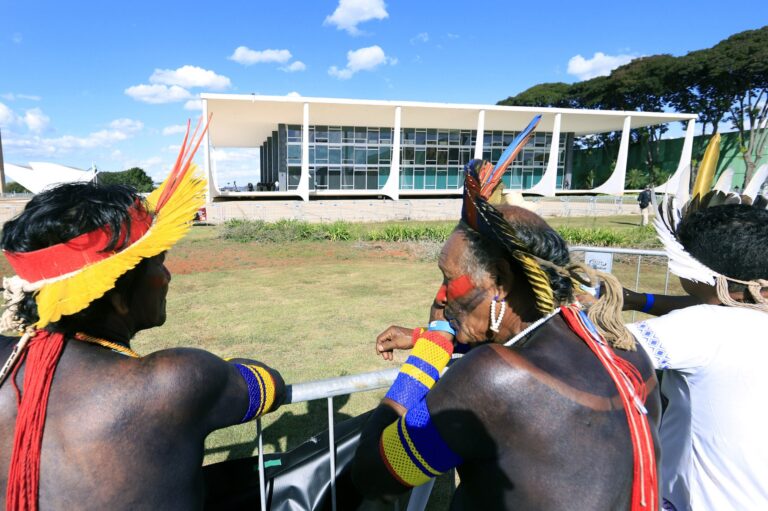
(380, 210)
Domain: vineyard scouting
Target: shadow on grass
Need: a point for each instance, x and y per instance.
(291, 429)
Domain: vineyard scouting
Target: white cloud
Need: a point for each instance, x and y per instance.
(36, 120)
(452, 36)
(174, 129)
(294, 66)
(421, 37)
(246, 56)
(37, 146)
(190, 76)
(363, 59)
(127, 125)
(194, 104)
(350, 13)
(599, 65)
(16, 38)
(10, 96)
(7, 116)
(158, 94)
(293, 94)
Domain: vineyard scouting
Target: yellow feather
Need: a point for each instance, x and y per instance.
(73, 294)
(542, 290)
(707, 168)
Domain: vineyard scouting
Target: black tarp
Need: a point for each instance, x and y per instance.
(297, 480)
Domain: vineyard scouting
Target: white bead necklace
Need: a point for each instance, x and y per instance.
(533, 326)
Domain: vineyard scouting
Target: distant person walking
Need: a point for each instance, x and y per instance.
(645, 201)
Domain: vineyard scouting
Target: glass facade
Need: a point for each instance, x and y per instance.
(360, 157)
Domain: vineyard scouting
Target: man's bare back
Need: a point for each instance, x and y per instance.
(125, 433)
(538, 426)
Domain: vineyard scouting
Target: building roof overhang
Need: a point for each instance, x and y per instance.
(244, 120)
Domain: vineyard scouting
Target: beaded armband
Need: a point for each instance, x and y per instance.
(421, 370)
(413, 450)
(261, 390)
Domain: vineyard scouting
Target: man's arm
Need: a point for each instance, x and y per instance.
(434, 435)
(210, 392)
(657, 305)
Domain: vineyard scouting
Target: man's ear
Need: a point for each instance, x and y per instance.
(505, 277)
(118, 302)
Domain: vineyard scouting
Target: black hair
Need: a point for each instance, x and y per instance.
(730, 239)
(61, 214)
(541, 241)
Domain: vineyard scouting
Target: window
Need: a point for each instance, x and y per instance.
(360, 155)
(409, 136)
(442, 137)
(360, 135)
(431, 136)
(294, 153)
(442, 156)
(454, 137)
(431, 155)
(385, 135)
(430, 179)
(383, 176)
(408, 154)
(348, 134)
(334, 135)
(334, 155)
(347, 178)
(421, 137)
(467, 137)
(385, 154)
(321, 154)
(294, 133)
(420, 155)
(373, 135)
(373, 156)
(453, 155)
(348, 154)
(321, 134)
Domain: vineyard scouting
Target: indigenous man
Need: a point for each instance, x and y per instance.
(545, 414)
(85, 423)
(713, 355)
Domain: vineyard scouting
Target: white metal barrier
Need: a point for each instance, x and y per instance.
(364, 382)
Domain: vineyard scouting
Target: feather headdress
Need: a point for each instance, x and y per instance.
(68, 277)
(482, 187)
(673, 211)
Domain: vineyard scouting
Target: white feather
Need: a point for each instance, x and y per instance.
(681, 263)
(725, 181)
(753, 188)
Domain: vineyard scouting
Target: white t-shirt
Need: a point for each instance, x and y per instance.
(714, 432)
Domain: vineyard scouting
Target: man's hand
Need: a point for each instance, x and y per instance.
(394, 338)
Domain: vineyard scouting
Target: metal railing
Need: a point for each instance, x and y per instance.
(364, 382)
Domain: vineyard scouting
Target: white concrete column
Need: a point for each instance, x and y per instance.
(392, 187)
(480, 132)
(683, 173)
(548, 182)
(303, 187)
(615, 183)
(211, 190)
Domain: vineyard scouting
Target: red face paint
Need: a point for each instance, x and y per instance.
(440, 298)
(459, 287)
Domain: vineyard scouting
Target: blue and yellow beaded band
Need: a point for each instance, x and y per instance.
(421, 370)
(413, 450)
(261, 390)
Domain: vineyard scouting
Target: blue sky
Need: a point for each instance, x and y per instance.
(111, 82)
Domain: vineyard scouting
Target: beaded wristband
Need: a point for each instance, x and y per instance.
(441, 326)
(261, 390)
(649, 300)
(421, 370)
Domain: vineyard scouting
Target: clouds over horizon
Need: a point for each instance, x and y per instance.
(350, 13)
(248, 57)
(172, 85)
(32, 119)
(363, 59)
(599, 65)
(35, 145)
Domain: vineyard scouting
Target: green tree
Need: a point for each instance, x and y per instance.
(135, 177)
(636, 179)
(14, 187)
(556, 95)
(740, 65)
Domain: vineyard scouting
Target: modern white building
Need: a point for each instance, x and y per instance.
(39, 176)
(321, 147)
